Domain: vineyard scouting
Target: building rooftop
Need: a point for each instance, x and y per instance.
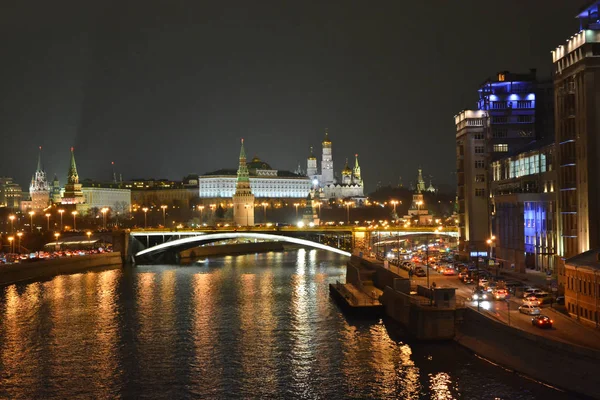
(233, 172)
(589, 259)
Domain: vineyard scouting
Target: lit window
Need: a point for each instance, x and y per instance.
(500, 148)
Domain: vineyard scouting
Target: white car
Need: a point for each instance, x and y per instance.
(531, 292)
(529, 310)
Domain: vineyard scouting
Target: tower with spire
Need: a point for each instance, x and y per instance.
(39, 189)
(420, 182)
(311, 166)
(327, 162)
(356, 171)
(55, 191)
(73, 193)
(243, 199)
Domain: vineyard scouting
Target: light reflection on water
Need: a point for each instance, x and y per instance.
(251, 326)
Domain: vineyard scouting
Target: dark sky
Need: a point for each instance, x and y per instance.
(168, 88)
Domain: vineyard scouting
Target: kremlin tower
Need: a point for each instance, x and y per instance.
(73, 193)
(243, 199)
(39, 189)
(327, 162)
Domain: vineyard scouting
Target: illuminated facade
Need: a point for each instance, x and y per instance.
(39, 190)
(112, 195)
(73, 193)
(524, 190)
(325, 184)
(576, 77)
(512, 111)
(582, 285)
(10, 193)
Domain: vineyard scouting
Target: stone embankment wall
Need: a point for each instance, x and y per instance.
(569, 367)
(241, 248)
(12, 273)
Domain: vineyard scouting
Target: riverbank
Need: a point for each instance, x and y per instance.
(559, 364)
(25, 271)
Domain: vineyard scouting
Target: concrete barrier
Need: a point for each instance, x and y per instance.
(563, 365)
(12, 273)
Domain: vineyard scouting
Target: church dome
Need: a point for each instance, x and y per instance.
(257, 163)
(347, 170)
(326, 140)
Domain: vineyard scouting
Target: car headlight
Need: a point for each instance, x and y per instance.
(475, 297)
(485, 296)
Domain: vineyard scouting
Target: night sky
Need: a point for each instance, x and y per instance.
(168, 88)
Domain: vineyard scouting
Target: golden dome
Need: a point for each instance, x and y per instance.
(326, 139)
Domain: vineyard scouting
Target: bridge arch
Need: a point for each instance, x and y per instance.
(187, 241)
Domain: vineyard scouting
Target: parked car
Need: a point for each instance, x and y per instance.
(530, 310)
(542, 321)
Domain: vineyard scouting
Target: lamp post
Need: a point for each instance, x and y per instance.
(201, 208)
(11, 218)
(19, 234)
(89, 235)
(164, 210)
(10, 240)
(61, 211)
(264, 205)
(296, 205)
(104, 210)
(145, 210)
(47, 221)
(56, 235)
(348, 203)
(490, 242)
(74, 220)
(394, 203)
(31, 214)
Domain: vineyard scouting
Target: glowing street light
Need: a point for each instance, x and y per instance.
(11, 218)
(74, 213)
(47, 221)
(265, 205)
(31, 214)
(61, 211)
(296, 205)
(104, 210)
(19, 234)
(56, 235)
(348, 203)
(201, 208)
(164, 210)
(145, 210)
(89, 235)
(10, 240)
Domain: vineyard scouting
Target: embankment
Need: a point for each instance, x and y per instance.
(12, 273)
(569, 367)
(227, 249)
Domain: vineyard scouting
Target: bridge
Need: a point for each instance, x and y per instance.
(149, 245)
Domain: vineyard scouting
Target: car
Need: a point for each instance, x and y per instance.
(542, 321)
(479, 295)
(530, 310)
(449, 272)
(532, 301)
(467, 280)
(500, 294)
(462, 274)
(420, 272)
(531, 291)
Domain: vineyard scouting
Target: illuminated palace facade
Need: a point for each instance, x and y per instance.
(265, 182)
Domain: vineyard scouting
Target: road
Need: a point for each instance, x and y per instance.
(564, 329)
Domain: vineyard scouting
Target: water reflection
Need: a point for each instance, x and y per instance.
(253, 326)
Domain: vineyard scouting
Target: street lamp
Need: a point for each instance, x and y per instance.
(61, 211)
(264, 205)
(164, 210)
(11, 218)
(19, 234)
(74, 220)
(31, 214)
(394, 203)
(10, 240)
(145, 210)
(348, 203)
(104, 210)
(89, 235)
(56, 235)
(47, 221)
(296, 205)
(201, 208)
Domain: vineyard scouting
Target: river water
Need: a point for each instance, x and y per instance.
(250, 326)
